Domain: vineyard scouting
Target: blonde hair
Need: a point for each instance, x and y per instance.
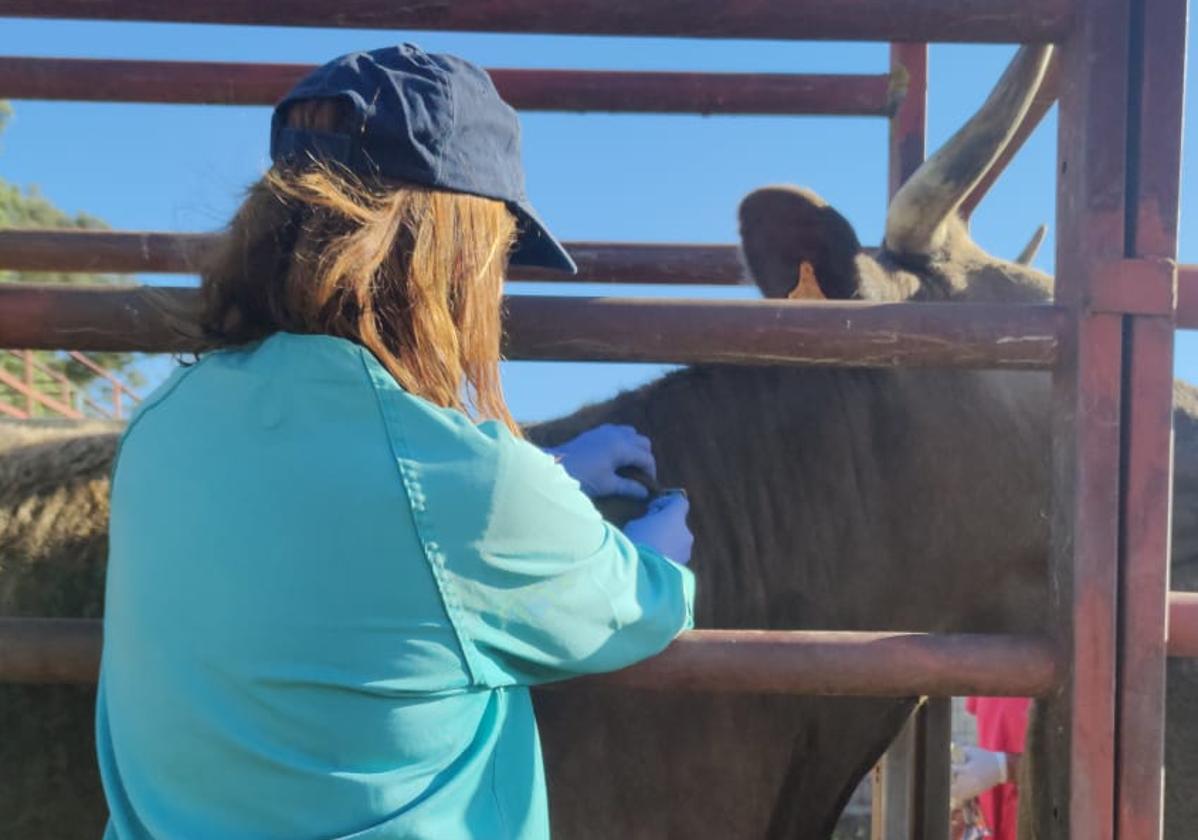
(413, 274)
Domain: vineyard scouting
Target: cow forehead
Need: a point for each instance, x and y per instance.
(959, 271)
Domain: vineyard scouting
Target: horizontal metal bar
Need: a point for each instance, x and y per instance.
(784, 332)
(34, 650)
(839, 663)
(223, 83)
(1187, 297)
(46, 650)
(50, 650)
(1183, 624)
(127, 252)
(1019, 21)
(132, 252)
(1140, 286)
(155, 319)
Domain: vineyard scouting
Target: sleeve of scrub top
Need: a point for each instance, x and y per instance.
(555, 590)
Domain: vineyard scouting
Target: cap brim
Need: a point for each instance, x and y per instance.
(535, 245)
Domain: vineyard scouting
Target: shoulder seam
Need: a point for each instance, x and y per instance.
(393, 428)
(144, 409)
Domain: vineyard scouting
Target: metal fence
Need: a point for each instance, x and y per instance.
(1108, 337)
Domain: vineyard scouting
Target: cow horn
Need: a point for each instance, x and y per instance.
(1032, 247)
(915, 222)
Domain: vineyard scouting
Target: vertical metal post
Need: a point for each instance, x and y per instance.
(30, 402)
(901, 772)
(895, 776)
(933, 734)
(894, 794)
(1080, 717)
(911, 782)
(1157, 71)
(909, 122)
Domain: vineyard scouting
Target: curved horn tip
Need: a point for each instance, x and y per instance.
(1028, 254)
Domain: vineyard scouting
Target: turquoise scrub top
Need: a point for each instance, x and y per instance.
(326, 601)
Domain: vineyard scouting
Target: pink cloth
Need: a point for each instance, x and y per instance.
(1002, 727)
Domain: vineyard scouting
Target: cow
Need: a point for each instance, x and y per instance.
(837, 499)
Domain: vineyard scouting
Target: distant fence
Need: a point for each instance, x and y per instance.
(32, 388)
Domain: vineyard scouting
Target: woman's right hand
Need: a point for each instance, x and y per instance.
(664, 528)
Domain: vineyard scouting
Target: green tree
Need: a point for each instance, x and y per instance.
(28, 208)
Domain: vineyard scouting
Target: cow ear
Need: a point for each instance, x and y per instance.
(797, 246)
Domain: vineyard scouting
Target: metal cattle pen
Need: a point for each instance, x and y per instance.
(1108, 338)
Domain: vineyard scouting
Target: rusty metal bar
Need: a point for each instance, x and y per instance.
(1144, 576)
(1080, 718)
(226, 83)
(1183, 624)
(1156, 70)
(1046, 96)
(126, 252)
(49, 650)
(1136, 300)
(785, 662)
(1138, 286)
(1086, 439)
(778, 332)
(852, 334)
(882, 664)
(129, 252)
(839, 663)
(909, 124)
(102, 251)
(1187, 297)
(1023, 21)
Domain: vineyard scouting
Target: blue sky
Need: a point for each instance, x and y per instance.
(593, 176)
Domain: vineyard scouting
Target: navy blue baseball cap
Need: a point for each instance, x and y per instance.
(423, 118)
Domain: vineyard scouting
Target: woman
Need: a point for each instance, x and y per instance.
(335, 565)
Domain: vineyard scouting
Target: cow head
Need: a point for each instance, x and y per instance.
(797, 246)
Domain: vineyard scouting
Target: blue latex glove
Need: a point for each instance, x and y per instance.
(593, 457)
(664, 528)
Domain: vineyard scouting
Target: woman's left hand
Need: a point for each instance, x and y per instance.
(593, 457)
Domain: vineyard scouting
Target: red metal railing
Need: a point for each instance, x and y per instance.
(72, 401)
(908, 125)
(770, 662)
(606, 329)
(789, 662)
(221, 83)
(996, 21)
(1108, 340)
(1125, 286)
